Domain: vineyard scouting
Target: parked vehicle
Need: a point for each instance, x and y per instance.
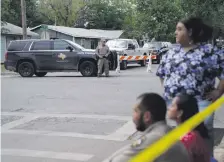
(127, 47)
(154, 49)
(167, 45)
(29, 57)
(157, 49)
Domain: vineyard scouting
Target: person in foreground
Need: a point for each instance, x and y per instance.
(182, 108)
(149, 117)
(193, 68)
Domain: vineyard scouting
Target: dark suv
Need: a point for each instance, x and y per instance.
(29, 57)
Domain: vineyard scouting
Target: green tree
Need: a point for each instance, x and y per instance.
(158, 18)
(131, 15)
(62, 13)
(101, 15)
(212, 11)
(11, 12)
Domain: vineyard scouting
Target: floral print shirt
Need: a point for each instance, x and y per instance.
(193, 72)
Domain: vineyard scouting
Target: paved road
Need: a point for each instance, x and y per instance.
(64, 117)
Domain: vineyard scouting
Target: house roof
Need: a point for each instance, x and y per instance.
(7, 28)
(84, 33)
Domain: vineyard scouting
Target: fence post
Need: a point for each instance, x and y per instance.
(149, 67)
(118, 64)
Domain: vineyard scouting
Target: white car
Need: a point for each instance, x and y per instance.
(127, 47)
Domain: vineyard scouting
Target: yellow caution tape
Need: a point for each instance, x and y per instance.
(162, 145)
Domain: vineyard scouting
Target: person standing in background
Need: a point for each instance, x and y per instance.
(193, 67)
(103, 52)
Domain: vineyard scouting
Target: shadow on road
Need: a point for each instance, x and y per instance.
(77, 76)
(66, 76)
(218, 134)
(133, 67)
(130, 67)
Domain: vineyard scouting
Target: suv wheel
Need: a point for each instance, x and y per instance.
(40, 74)
(26, 69)
(88, 69)
(124, 65)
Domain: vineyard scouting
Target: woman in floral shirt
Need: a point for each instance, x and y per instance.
(193, 67)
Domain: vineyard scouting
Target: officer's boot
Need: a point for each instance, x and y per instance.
(99, 75)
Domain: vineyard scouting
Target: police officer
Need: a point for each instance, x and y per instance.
(103, 52)
(149, 116)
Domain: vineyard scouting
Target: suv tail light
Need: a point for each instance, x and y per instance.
(6, 56)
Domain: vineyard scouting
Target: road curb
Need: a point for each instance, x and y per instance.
(8, 73)
(219, 151)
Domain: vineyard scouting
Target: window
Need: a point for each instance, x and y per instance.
(83, 42)
(136, 44)
(17, 45)
(41, 45)
(75, 45)
(117, 44)
(130, 42)
(60, 45)
(153, 45)
(93, 44)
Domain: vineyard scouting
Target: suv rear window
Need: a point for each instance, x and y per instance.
(17, 45)
(41, 45)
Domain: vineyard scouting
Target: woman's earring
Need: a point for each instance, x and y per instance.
(179, 114)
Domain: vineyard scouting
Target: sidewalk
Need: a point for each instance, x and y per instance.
(219, 151)
(6, 72)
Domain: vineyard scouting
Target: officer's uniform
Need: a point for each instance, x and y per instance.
(103, 52)
(176, 153)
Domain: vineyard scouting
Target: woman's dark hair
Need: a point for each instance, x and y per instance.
(188, 104)
(200, 32)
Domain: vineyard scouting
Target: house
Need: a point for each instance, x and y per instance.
(12, 32)
(87, 38)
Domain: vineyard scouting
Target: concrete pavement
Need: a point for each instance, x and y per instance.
(219, 151)
(66, 117)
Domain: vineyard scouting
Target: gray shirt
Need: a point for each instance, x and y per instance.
(177, 153)
(102, 51)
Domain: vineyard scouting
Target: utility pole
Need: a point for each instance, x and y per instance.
(23, 13)
(55, 21)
